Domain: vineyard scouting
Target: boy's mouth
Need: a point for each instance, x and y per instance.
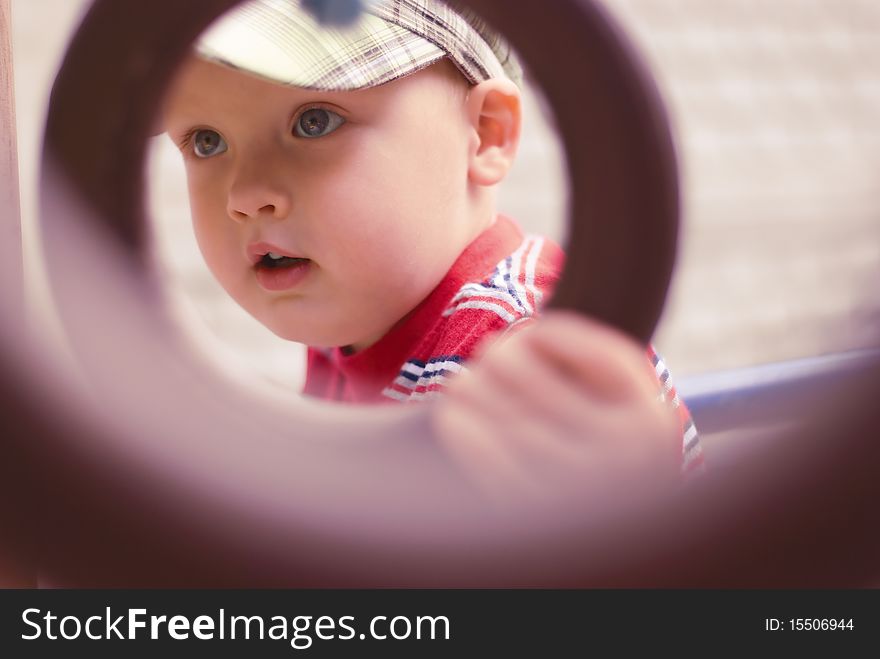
(275, 272)
(272, 260)
(267, 256)
(275, 269)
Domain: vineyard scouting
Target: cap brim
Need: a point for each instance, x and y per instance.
(278, 42)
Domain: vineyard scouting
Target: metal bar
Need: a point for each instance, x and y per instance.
(770, 394)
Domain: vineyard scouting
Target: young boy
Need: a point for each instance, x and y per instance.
(342, 186)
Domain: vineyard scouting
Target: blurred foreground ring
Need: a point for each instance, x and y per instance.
(144, 468)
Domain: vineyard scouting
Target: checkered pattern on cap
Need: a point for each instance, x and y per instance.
(280, 41)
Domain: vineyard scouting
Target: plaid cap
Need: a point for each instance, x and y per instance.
(279, 40)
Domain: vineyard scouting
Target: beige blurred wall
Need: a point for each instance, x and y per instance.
(774, 106)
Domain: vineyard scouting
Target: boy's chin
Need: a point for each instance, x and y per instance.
(311, 337)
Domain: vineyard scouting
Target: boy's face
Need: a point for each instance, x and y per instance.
(367, 191)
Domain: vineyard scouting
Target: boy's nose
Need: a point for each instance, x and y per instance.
(255, 194)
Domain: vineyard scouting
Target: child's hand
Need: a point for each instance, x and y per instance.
(565, 406)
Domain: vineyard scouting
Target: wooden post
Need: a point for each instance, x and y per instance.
(12, 575)
(11, 284)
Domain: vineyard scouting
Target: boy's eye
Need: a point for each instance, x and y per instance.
(317, 122)
(207, 143)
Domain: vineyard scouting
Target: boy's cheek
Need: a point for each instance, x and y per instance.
(207, 207)
(221, 249)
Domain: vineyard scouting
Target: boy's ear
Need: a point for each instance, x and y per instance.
(494, 109)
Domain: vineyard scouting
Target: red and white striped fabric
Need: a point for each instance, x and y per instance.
(496, 285)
